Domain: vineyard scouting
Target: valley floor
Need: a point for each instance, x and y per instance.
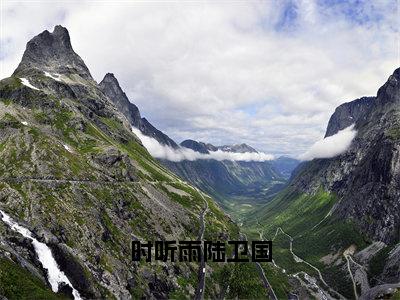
(304, 264)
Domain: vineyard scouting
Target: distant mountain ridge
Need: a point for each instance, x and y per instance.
(238, 148)
(228, 179)
(221, 179)
(207, 147)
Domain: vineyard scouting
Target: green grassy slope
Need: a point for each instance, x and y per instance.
(87, 179)
(315, 234)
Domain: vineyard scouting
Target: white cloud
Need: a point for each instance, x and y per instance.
(225, 72)
(160, 151)
(331, 146)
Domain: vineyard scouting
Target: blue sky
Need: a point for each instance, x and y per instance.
(267, 73)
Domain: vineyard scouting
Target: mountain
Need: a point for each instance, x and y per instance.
(221, 179)
(285, 165)
(348, 114)
(111, 88)
(206, 148)
(77, 181)
(342, 214)
(52, 52)
(236, 185)
(198, 146)
(238, 148)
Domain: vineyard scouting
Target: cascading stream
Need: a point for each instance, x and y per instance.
(55, 275)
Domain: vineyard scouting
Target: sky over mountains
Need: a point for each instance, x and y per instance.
(265, 73)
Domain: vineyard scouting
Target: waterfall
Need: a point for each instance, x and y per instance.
(55, 275)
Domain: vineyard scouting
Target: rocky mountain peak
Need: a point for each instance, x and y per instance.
(110, 78)
(389, 92)
(51, 52)
(195, 146)
(205, 148)
(111, 88)
(365, 177)
(358, 111)
(238, 148)
(349, 113)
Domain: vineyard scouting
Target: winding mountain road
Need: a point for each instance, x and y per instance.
(298, 260)
(351, 276)
(266, 283)
(52, 180)
(199, 294)
(264, 278)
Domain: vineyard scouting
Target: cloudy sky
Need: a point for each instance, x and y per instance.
(267, 73)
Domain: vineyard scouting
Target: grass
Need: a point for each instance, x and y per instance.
(277, 280)
(112, 123)
(316, 234)
(17, 283)
(9, 121)
(377, 263)
(6, 101)
(7, 85)
(245, 282)
(396, 295)
(88, 208)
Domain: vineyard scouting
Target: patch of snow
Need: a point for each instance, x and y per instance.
(56, 76)
(28, 84)
(68, 148)
(24, 123)
(55, 275)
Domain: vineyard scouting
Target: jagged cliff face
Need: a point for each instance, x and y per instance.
(219, 178)
(72, 171)
(51, 52)
(349, 113)
(344, 207)
(367, 177)
(110, 87)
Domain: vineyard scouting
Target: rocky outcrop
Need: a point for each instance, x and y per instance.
(51, 52)
(391, 271)
(111, 88)
(196, 146)
(238, 148)
(72, 172)
(148, 129)
(366, 177)
(348, 114)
